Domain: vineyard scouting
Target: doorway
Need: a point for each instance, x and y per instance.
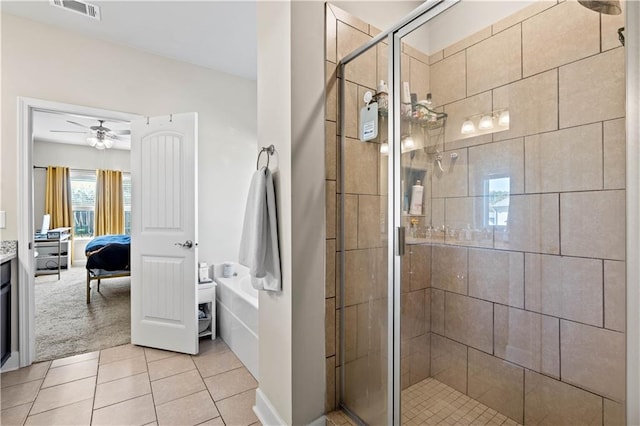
(29, 109)
(65, 324)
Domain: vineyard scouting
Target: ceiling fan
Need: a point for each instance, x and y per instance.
(99, 137)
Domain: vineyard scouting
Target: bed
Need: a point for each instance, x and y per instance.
(108, 256)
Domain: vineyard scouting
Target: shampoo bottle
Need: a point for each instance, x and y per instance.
(417, 191)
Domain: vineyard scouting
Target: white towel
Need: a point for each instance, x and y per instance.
(259, 244)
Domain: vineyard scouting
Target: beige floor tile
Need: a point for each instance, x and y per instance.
(119, 369)
(71, 372)
(190, 410)
(213, 422)
(73, 414)
(157, 354)
(137, 411)
(120, 352)
(76, 358)
(15, 415)
(216, 363)
(121, 390)
(211, 346)
(170, 366)
(230, 383)
(152, 424)
(23, 393)
(61, 395)
(238, 410)
(177, 386)
(26, 374)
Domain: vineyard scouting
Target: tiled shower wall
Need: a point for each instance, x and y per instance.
(527, 318)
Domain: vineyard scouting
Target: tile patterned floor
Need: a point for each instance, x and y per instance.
(431, 402)
(131, 385)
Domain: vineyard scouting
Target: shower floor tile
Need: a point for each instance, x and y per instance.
(431, 402)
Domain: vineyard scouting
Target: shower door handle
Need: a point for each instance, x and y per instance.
(400, 233)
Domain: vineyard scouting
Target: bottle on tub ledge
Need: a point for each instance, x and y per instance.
(417, 192)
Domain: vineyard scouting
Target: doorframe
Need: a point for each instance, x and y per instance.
(26, 295)
(632, 331)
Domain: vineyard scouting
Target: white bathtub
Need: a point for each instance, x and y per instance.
(237, 316)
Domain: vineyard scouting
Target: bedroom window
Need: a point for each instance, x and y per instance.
(126, 192)
(83, 202)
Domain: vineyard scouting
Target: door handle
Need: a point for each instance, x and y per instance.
(400, 234)
(187, 244)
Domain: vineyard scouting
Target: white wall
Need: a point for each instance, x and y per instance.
(308, 210)
(291, 115)
(274, 126)
(44, 62)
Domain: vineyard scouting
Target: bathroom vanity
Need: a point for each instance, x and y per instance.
(8, 299)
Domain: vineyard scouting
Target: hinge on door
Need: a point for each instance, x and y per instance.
(30, 247)
(400, 232)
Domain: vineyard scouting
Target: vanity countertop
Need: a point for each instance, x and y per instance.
(5, 257)
(8, 250)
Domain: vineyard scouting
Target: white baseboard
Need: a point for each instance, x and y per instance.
(265, 411)
(268, 415)
(320, 421)
(13, 363)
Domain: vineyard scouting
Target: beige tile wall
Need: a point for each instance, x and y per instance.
(553, 278)
(496, 383)
(527, 318)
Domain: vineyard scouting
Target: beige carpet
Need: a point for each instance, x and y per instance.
(66, 325)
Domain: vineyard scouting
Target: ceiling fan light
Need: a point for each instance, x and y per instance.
(100, 146)
(108, 143)
(92, 141)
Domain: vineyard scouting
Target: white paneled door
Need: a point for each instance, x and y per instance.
(164, 232)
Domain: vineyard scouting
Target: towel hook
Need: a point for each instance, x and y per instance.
(269, 150)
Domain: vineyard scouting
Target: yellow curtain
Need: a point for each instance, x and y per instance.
(58, 197)
(109, 218)
(57, 202)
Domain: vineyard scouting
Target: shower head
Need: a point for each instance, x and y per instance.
(608, 7)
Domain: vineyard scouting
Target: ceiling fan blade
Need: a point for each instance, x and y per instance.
(78, 124)
(121, 132)
(67, 131)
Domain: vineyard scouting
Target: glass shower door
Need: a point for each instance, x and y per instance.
(514, 218)
(365, 245)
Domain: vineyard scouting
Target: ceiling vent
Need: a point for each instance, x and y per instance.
(80, 7)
